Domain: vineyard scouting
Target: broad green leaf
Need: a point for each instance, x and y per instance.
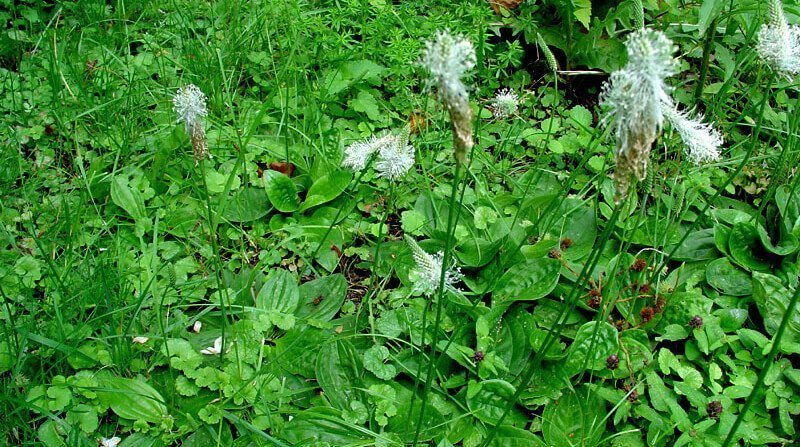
(728, 279)
(127, 198)
(338, 370)
(709, 10)
(698, 246)
(322, 426)
(787, 245)
(321, 298)
(474, 251)
(529, 280)
(489, 398)
(665, 400)
(578, 230)
(140, 440)
(508, 436)
(789, 205)
(576, 419)
(512, 344)
(592, 346)
(279, 293)
(48, 434)
(326, 188)
(366, 103)
(131, 399)
(772, 298)
(281, 191)
(745, 247)
(83, 416)
(247, 205)
(363, 70)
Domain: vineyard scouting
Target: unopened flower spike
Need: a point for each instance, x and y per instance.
(189, 104)
(428, 272)
(702, 140)
(448, 58)
(778, 42)
(636, 96)
(505, 103)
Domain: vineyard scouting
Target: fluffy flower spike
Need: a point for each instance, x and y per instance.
(397, 158)
(636, 96)
(357, 155)
(448, 58)
(778, 42)
(189, 105)
(505, 103)
(395, 154)
(428, 271)
(702, 140)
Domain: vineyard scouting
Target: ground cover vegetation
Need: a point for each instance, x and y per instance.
(356, 223)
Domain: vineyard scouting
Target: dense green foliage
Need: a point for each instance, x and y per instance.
(579, 322)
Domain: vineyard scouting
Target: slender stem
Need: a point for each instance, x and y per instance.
(711, 33)
(446, 260)
(223, 294)
(373, 276)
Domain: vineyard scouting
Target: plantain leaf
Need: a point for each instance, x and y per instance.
(281, 191)
(131, 399)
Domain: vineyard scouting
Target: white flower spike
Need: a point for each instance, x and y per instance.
(140, 340)
(778, 42)
(189, 105)
(395, 154)
(358, 154)
(448, 58)
(428, 272)
(636, 96)
(216, 349)
(505, 103)
(110, 442)
(396, 158)
(702, 140)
